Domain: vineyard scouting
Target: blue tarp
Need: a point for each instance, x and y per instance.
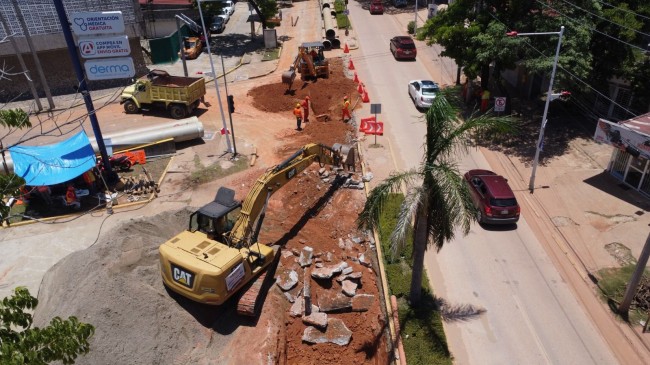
(55, 163)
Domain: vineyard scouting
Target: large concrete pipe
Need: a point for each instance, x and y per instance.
(180, 130)
(329, 23)
(327, 44)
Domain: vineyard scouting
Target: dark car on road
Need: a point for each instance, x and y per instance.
(403, 47)
(218, 25)
(493, 198)
(376, 7)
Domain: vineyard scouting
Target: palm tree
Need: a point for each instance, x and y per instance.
(437, 201)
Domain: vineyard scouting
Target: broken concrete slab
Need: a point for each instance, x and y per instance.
(349, 288)
(297, 307)
(328, 272)
(287, 279)
(333, 301)
(306, 256)
(318, 319)
(362, 302)
(363, 261)
(351, 276)
(328, 256)
(347, 270)
(336, 333)
(286, 253)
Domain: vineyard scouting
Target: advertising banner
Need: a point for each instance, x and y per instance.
(97, 22)
(110, 68)
(622, 138)
(104, 47)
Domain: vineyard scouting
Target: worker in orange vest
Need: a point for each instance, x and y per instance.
(298, 113)
(305, 108)
(71, 198)
(485, 99)
(345, 112)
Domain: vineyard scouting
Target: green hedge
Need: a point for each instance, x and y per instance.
(422, 332)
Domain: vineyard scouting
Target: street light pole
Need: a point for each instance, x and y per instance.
(549, 96)
(216, 83)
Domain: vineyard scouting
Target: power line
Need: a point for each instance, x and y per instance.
(624, 10)
(592, 29)
(605, 19)
(567, 71)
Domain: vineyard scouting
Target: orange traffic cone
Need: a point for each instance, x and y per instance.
(360, 88)
(365, 98)
(351, 65)
(346, 49)
(356, 78)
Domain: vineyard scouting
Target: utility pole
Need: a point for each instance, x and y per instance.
(83, 88)
(216, 79)
(624, 307)
(32, 88)
(229, 97)
(37, 61)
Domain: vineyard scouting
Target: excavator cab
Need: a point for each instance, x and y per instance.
(218, 217)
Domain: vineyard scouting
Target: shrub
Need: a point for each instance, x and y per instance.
(410, 27)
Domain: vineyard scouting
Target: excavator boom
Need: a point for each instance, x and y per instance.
(210, 261)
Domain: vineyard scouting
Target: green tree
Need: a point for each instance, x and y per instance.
(437, 200)
(62, 340)
(10, 119)
(473, 33)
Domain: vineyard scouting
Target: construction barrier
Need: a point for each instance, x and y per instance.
(376, 128)
(346, 49)
(360, 88)
(364, 123)
(356, 78)
(365, 98)
(350, 65)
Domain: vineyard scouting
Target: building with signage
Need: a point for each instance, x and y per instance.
(44, 30)
(630, 140)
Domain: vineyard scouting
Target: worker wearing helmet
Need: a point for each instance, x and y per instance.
(305, 108)
(345, 112)
(71, 198)
(298, 113)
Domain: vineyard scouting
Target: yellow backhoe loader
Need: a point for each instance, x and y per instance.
(219, 253)
(310, 63)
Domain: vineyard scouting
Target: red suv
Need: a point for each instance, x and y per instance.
(492, 196)
(376, 7)
(403, 47)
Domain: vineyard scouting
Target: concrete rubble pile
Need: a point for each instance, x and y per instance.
(331, 283)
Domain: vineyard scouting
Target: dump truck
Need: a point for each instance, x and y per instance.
(219, 254)
(310, 63)
(177, 94)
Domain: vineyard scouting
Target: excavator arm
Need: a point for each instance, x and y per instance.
(275, 178)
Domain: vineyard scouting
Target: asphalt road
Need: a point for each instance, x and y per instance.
(532, 316)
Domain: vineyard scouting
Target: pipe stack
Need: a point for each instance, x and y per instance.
(329, 24)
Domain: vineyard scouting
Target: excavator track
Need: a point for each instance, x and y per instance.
(251, 301)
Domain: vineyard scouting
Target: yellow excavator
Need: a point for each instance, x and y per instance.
(219, 253)
(310, 63)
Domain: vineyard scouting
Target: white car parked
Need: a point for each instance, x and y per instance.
(229, 5)
(423, 92)
(225, 15)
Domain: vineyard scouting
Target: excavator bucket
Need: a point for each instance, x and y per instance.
(288, 77)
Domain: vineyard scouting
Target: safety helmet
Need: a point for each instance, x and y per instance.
(345, 97)
(297, 105)
(307, 97)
